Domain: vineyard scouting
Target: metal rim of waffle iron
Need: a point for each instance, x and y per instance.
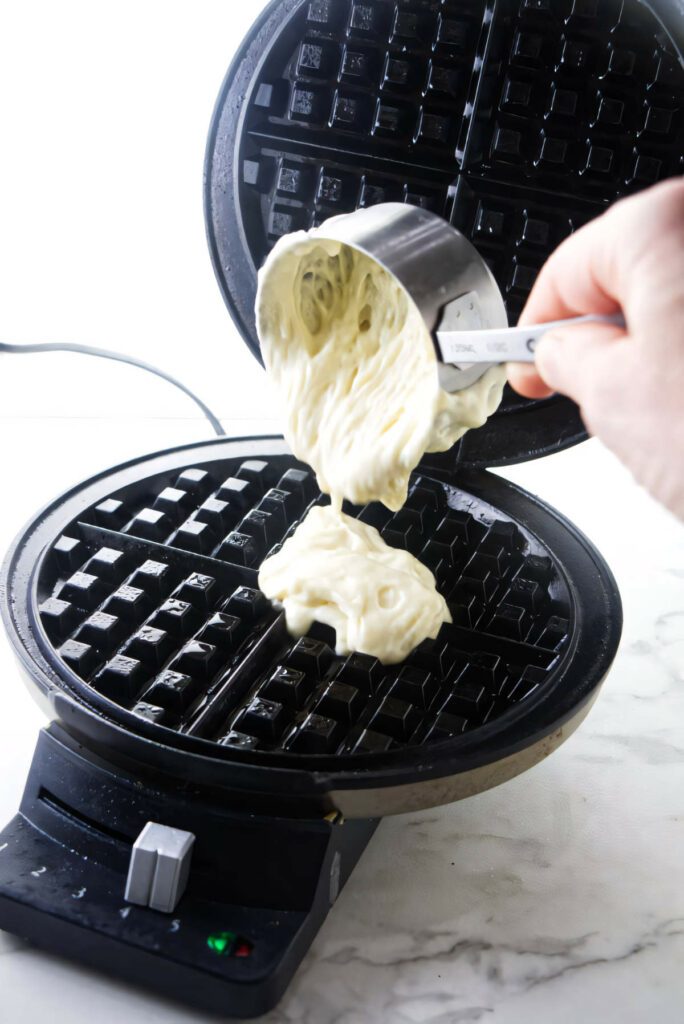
(515, 121)
(361, 784)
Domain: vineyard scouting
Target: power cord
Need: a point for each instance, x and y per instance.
(103, 353)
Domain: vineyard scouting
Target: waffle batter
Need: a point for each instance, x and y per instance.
(337, 570)
(355, 367)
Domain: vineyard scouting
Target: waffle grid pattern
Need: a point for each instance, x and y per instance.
(151, 598)
(518, 120)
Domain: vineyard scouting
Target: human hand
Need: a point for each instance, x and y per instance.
(629, 384)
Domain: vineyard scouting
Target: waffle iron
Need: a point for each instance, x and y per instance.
(177, 700)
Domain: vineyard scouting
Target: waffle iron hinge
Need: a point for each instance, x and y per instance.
(258, 890)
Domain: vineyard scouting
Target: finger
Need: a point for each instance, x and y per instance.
(529, 380)
(579, 277)
(614, 261)
(570, 360)
(524, 378)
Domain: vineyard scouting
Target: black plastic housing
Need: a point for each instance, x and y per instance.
(64, 866)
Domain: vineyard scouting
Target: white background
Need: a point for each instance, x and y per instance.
(104, 114)
(104, 111)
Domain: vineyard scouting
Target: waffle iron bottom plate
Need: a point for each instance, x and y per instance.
(132, 602)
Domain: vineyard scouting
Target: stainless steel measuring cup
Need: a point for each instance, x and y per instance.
(443, 273)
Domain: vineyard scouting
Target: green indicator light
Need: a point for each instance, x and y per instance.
(221, 942)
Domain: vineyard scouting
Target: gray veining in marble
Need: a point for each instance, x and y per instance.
(557, 898)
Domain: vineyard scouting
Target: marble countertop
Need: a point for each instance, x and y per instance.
(558, 897)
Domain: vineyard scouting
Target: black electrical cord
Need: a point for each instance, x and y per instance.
(103, 353)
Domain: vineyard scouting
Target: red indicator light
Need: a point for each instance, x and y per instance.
(242, 948)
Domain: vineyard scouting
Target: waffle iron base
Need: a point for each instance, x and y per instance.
(177, 696)
(245, 921)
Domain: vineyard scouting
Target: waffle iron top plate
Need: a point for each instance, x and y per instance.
(516, 120)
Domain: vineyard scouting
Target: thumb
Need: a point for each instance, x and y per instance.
(569, 359)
